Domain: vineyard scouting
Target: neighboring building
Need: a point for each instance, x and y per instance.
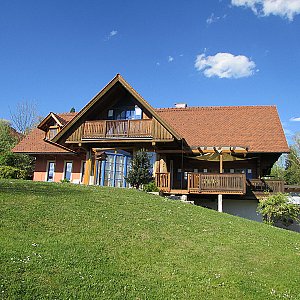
(202, 151)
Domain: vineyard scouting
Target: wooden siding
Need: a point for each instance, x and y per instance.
(112, 129)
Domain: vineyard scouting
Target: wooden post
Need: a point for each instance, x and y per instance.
(88, 165)
(221, 163)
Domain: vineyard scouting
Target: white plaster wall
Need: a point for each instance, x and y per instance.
(242, 208)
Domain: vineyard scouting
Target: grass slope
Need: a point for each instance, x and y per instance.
(62, 241)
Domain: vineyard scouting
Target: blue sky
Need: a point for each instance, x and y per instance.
(210, 52)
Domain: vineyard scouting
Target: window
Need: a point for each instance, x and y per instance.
(68, 170)
(50, 171)
(125, 113)
(52, 132)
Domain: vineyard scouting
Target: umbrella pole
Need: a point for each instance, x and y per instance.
(221, 163)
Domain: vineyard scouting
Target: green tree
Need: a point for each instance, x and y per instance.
(140, 170)
(277, 208)
(292, 172)
(7, 140)
(72, 110)
(12, 165)
(278, 171)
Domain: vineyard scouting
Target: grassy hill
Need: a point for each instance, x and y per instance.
(62, 241)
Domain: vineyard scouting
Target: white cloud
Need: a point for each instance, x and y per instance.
(111, 34)
(170, 58)
(283, 8)
(212, 18)
(288, 132)
(295, 119)
(225, 65)
(158, 64)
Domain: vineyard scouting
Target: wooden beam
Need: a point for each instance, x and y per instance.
(175, 151)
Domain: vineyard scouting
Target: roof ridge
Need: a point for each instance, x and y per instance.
(214, 107)
(65, 113)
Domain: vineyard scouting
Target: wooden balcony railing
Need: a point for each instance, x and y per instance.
(149, 129)
(117, 128)
(217, 183)
(163, 181)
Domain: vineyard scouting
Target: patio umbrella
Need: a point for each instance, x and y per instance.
(218, 157)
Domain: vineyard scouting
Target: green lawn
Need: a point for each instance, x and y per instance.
(63, 241)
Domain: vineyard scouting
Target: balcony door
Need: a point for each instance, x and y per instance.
(113, 170)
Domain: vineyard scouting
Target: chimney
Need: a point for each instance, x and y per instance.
(180, 105)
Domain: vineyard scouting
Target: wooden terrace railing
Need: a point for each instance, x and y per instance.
(163, 181)
(266, 185)
(204, 183)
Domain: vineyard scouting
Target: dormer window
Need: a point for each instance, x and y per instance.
(52, 132)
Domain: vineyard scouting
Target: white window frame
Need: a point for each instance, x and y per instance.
(64, 172)
(47, 170)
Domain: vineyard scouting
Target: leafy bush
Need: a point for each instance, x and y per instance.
(9, 172)
(65, 180)
(150, 187)
(277, 208)
(22, 162)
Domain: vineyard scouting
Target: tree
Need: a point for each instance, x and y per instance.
(24, 117)
(277, 208)
(72, 110)
(292, 173)
(278, 171)
(7, 140)
(140, 170)
(12, 165)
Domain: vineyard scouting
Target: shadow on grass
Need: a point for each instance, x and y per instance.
(38, 189)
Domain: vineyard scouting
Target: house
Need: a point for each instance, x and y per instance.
(215, 152)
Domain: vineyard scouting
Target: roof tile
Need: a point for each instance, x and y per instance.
(256, 127)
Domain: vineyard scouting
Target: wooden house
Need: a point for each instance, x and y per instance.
(194, 150)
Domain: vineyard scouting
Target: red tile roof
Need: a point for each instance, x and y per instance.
(257, 127)
(34, 142)
(64, 118)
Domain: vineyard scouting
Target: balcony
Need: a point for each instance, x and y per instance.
(203, 183)
(145, 129)
(117, 129)
(226, 184)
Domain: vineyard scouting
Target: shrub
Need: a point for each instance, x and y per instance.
(65, 180)
(277, 208)
(8, 172)
(150, 187)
